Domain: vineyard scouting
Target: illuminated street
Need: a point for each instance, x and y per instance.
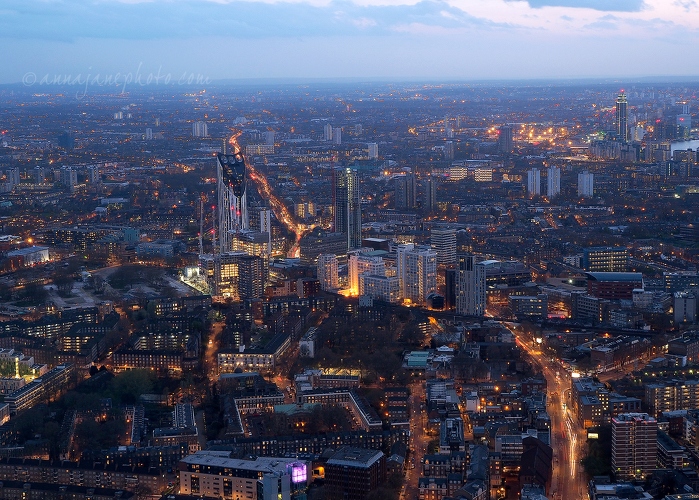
(567, 439)
(281, 212)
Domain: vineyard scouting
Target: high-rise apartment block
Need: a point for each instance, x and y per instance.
(505, 139)
(634, 445)
(586, 184)
(470, 286)
(444, 243)
(337, 135)
(200, 129)
(346, 201)
(534, 182)
(553, 182)
(373, 150)
(405, 191)
(417, 272)
(327, 272)
(359, 264)
(430, 198)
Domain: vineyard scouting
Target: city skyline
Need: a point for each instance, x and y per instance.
(387, 39)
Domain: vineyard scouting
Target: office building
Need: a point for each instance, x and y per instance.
(605, 259)
(319, 242)
(586, 184)
(327, 272)
(622, 118)
(346, 201)
(353, 473)
(417, 272)
(534, 182)
(200, 129)
(470, 286)
(328, 132)
(444, 243)
(505, 139)
(553, 182)
(634, 445)
(613, 286)
(214, 474)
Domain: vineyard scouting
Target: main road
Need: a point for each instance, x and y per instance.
(567, 438)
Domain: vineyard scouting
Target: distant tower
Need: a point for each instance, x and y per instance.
(534, 182)
(373, 150)
(337, 135)
(622, 118)
(505, 139)
(586, 184)
(346, 201)
(38, 175)
(13, 176)
(232, 199)
(449, 150)
(200, 129)
(328, 132)
(149, 134)
(553, 182)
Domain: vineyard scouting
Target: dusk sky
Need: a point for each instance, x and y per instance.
(386, 39)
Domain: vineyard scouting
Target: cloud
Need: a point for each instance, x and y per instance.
(154, 20)
(602, 5)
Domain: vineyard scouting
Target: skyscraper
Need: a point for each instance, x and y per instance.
(470, 287)
(586, 184)
(534, 182)
(634, 445)
(346, 201)
(328, 132)
(622, 118)
(232, 200)
(553, 182)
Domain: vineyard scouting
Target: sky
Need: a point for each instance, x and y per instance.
(159, 42)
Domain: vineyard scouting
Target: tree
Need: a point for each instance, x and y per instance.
(128, 386)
